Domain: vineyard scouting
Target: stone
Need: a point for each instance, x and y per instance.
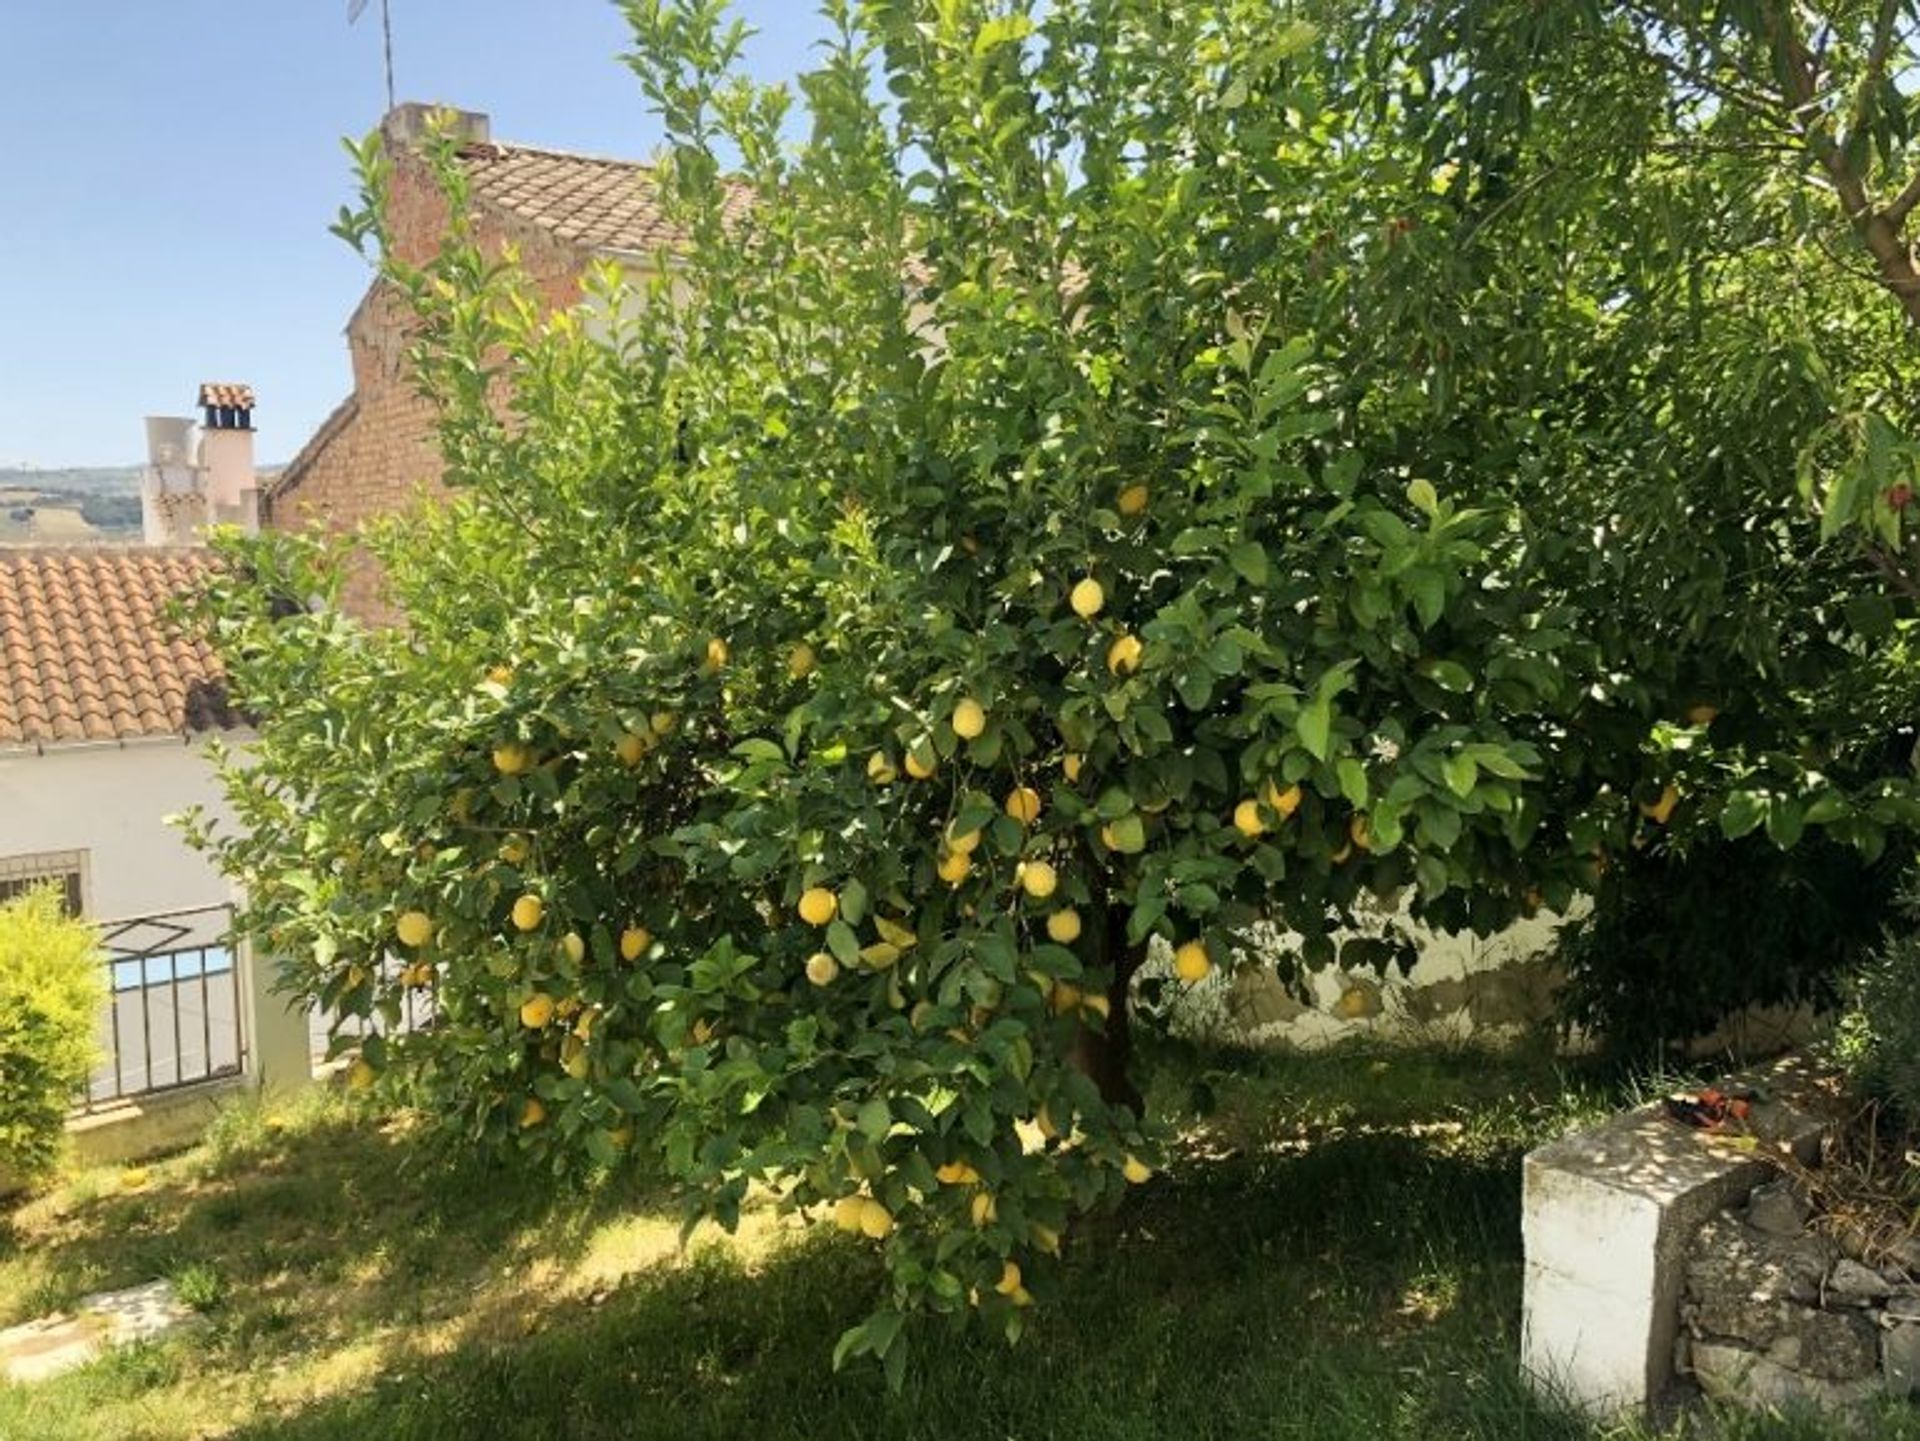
(1827, 1345)
(58, 1343)
(1900, 1360)
(1779, 1208)
(1744, 1285)
(1608, 1216)
(1733, 1373)
(1853, 1284)
(1903, 1307)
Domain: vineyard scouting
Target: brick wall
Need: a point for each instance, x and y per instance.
(378, 454)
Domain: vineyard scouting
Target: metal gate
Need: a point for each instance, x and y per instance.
(173, 1015)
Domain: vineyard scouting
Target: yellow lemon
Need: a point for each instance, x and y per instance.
(1021, 1297)
(632, 748)
(1038, 879)
(956, 1173)
(969, 719)
(1064, 926)
(983, 1209)
(573, 1058)
(1087, 598)
(634, 941)
(1661, 810)
(532, 1113)
(414, 928)
(1283, 803)
(822, 968)
(876, 1221)
(1023, 804)
(880, 770)
(1360, 832)
(1009, 1281)
(1137, 1171)
(1133, 500)
(1123, 656)
(1046, 1238)
(801, 661)
(510, 758)
(527, 911)
(574, 946)
(1071, 763)
(963, 843)
(818, 905)
(514, 850)
(954, 866)
(360, 1075)
(1246, 819)
(661, 722)
(921, 763)
(1043, 1118)
(1099, 1005)
(536, 1011)
(500, 674)
(1191, 963)
(717, 654)
(1065, 996)
(847, 1211)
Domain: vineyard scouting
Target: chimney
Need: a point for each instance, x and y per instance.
(189, 485)
(226, 456)
(406, 126)
(171, 511)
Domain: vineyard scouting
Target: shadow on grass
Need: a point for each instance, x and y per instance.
(1367, 1287)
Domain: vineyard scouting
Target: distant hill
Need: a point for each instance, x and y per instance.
(99, 503)
(84, 503)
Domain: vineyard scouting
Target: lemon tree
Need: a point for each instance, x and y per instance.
(854, 644)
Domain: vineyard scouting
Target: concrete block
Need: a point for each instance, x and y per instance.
(1606, 1217)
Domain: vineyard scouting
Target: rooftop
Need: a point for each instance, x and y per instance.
(587, 200)
(87, 653)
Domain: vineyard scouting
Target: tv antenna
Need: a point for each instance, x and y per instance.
(355, 8)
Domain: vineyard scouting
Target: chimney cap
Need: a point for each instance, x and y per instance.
(412, 121)
(226, 395)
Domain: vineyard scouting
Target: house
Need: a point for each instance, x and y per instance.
(561, 211)
(106, 709)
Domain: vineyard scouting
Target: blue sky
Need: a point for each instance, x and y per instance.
(171, 167)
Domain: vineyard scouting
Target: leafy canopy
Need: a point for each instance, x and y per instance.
(1133, 469)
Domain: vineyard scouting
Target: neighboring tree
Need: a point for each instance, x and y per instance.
(51, 990)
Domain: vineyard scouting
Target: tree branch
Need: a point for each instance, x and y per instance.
(1876, 67)
(1896, 214)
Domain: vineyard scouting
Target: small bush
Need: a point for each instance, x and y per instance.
(1878, 1038)
(52, 985)
(1678, 942)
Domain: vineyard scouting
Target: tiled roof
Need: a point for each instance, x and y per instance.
(88, 654)
(226, 397)
(586, 199)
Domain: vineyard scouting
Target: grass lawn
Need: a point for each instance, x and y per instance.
(1335, 1255)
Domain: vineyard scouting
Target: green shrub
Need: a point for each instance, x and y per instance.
(52, 986)
(1676, 942)
(1878, 1038)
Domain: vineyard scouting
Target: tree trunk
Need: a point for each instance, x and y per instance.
(1104, 1055)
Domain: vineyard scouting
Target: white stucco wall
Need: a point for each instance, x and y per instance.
(110, 802)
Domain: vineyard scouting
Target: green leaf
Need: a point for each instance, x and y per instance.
(1353, 781)
(1743, 812)
(1462, 773)
(875, 1119)
(1249, 558)
(853, 902)
(843, 943)
(1314, 725)
(1423, 496)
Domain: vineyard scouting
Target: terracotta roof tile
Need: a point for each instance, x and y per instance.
(87, 652)
(227, 397)
(587, 199)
